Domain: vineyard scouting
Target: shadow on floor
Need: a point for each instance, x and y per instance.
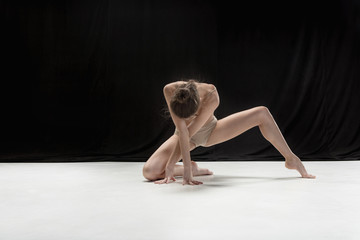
(222, 177)
(223, 181)
(228, 180)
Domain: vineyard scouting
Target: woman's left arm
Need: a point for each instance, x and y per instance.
(208, 108)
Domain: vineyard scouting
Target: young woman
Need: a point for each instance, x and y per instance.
(192, 105)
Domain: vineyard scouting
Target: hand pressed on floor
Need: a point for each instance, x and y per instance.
(188, 177)
(169, 176)
(166, 180)
(191, 182)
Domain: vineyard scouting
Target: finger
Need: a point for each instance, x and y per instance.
(160, 181)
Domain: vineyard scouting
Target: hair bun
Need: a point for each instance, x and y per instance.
(183, 95)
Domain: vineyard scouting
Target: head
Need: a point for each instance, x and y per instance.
(185, 101)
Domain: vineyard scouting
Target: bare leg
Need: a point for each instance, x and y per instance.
(272, 133)
(235, 124)
(154, 167)
(179, 170)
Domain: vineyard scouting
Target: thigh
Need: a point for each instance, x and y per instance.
(158, 160)
(233, 125)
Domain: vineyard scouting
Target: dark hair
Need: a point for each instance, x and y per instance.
(185, 101)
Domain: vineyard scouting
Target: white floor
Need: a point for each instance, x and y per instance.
(243, 200)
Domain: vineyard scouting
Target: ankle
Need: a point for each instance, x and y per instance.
(290, 157)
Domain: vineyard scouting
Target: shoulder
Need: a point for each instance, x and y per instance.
(206, 87)
(211, 88)
(211, 95)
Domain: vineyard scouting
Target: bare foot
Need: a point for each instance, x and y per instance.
(295, 163)
(199, 171)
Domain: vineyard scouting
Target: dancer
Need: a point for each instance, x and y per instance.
(191, 105)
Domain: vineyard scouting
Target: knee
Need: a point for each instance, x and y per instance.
(263, 114)
(151, 173)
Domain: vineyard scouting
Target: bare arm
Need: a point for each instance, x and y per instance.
(209, 104)
(185, 151)
(208, 107)
(182, 128)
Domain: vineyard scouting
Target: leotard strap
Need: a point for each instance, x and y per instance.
(211, 91)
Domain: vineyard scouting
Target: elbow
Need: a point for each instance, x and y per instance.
(166, 88)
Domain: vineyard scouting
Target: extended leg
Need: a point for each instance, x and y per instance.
(235, 124)
(272, 133)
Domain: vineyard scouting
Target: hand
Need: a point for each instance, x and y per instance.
(166, 180)
(169, 176)
(191, 182)
(188, 178)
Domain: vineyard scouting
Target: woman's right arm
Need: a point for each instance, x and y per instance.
(180, 125)
(183, 135)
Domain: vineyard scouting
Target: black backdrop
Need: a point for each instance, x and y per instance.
(82, 80)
